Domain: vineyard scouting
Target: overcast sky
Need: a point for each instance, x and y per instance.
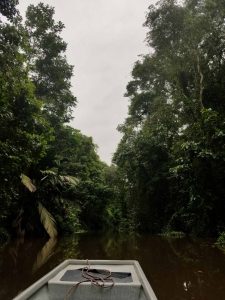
(104, 40)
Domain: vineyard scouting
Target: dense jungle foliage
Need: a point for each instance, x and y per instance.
(52, 180)
(172, 154)
(169, 167)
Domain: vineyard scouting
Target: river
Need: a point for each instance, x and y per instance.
(177, 269)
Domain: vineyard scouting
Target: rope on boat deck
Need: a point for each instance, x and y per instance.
(99, 281)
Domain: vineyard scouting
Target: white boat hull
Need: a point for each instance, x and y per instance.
(52, 287)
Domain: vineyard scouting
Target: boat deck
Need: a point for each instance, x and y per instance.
(66, 282)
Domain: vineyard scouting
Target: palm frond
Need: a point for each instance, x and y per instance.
(47, 220)
(27, 182)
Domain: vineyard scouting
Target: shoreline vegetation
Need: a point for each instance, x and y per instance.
(168, 172)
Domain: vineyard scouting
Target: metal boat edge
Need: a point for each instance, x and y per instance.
(149, 293)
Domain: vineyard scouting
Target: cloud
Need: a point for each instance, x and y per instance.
(104, 40)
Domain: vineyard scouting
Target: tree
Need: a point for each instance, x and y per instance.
(172, 149)
(50, 71)
(24, 132)
(8, 8)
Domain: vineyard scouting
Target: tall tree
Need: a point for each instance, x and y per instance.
(24, 132)
(51, 72)
(172, 150)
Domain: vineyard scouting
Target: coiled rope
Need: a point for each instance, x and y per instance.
(99, 281)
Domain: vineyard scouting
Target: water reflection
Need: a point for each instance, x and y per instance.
(181, 269)
(44, 254)
(16, 261)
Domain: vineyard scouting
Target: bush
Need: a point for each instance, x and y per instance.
(221, 240)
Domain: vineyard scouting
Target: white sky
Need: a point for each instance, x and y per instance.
(104, 40)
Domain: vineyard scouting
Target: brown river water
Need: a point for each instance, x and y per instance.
(177, 269)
